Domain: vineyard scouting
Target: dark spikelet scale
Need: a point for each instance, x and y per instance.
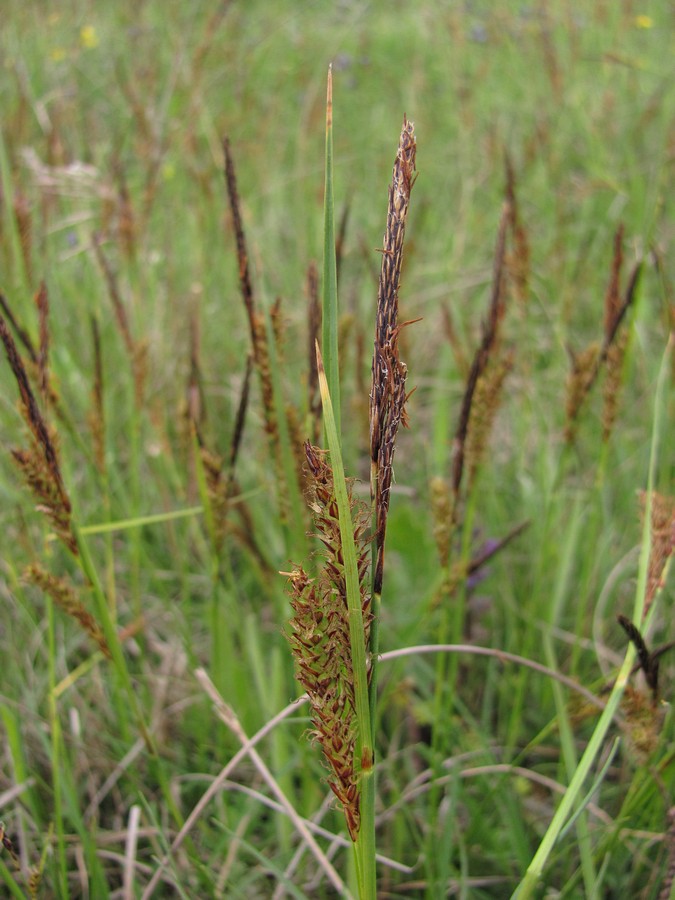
(388, 394)
(320, 638)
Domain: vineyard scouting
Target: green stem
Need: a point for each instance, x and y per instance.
(112, 639)
(55, 729)
(536, 867)
(329, 322)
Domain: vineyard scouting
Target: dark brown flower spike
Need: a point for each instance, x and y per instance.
(388, 394)
(39, 464)
(587, 364)
(259, 344)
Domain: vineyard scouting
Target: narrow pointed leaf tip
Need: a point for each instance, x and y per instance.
(329, 97)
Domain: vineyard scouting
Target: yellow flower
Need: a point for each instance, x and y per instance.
(58, 54)
(88, 37)
(168, 171)
(644, 22)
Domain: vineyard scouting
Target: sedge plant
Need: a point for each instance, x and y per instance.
(335, 624)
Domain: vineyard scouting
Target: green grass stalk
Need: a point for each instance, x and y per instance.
(329, 322)
(60, 861)
(534, 872)
(567, 564)
(295, 528)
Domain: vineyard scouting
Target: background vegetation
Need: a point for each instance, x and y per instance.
(112, 127)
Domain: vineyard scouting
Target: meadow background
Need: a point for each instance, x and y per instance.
(112, 123)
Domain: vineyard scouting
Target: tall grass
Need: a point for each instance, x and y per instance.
(514, 729)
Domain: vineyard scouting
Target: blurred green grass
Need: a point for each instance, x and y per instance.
(581, 97)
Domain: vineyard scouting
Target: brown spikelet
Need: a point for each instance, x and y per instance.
(580, 378)
(484, 408)
(126, 219)
(613, 293)
(388, 394)
(240, 419)
(40, 465)
(278, 327)
(643, 722)
(42, 303)
(65, 597)
(50, 497)
(610, 353)
(441, 511)
(518, 260)
(242, 254)
(97, 414)
(261, 353)
(648, 662)
(611, 387)
(662, 541)
(21, 333)
(24, 227)
(487, 349)
(217, 486)
(320, 639)
(296, 432)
